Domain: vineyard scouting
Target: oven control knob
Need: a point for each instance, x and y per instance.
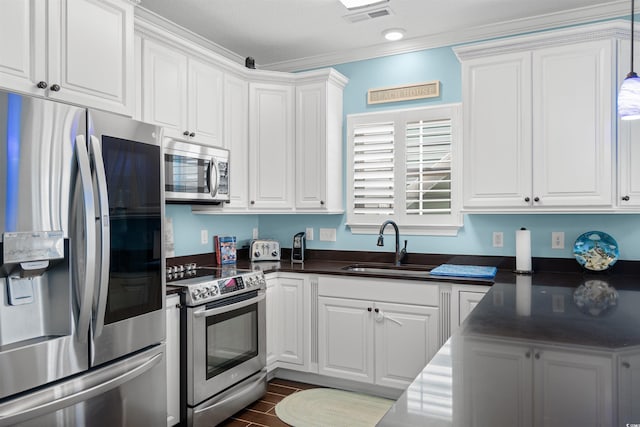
(256, 254)
(274, 253)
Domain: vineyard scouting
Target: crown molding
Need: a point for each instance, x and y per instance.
(508, 28)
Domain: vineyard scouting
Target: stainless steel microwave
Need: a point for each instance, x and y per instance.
(195, 173)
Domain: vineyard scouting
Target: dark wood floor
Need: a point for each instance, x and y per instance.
(262, 413)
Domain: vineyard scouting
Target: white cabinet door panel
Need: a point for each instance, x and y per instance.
(236, 139)
(399, 327)
(272, 309)
(572, 145)
(497, 144)
(629, 388)
(291, 320)
(205, 103)
(345, 333)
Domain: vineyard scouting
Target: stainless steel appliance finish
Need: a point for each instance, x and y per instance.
(264, 250)
(225, 343)
(195, 174)
(81, 273)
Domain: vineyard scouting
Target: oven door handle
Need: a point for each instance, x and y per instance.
(213, 311)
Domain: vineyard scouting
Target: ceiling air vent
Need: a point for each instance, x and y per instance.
(369, 14)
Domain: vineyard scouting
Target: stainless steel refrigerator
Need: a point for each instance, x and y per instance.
(82, 287)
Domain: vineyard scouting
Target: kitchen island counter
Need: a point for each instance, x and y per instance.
(531, 354)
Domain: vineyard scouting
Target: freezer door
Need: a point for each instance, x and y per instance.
(130, 392)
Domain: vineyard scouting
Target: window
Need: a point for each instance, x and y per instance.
(403, 165)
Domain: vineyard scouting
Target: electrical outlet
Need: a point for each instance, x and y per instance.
(204, 237)
(498, 239)
(309, 233)
(255, 233)
(328, 234)
(557, 240)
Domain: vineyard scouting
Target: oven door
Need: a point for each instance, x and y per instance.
(226, 343)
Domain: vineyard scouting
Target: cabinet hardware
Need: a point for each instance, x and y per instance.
(377, 310)
(369, 309)
(526, 199)
(322, 202)
(528, 355)
(253, 202)
(537, 356)
(625, 198)
(192, 134)
(185, 133)
(626, 365)
(536, 199)
(55, 88)
(42, 85)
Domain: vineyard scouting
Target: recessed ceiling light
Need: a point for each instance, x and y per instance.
(393, 34)
(355, 4)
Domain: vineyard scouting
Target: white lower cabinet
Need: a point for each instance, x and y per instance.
(367, 340)
(173, 359)
(524, 385)
(629, 388)
(288, 321)
(464, 299)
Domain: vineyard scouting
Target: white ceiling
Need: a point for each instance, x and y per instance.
(301, 34)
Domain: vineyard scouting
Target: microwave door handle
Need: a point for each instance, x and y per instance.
(84, 170)
(213, 177)
(212, 312)
(103, 220)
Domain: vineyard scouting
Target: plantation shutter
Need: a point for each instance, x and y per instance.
(373, 170)
(428, 167)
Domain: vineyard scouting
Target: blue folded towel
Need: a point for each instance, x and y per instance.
(475, 271)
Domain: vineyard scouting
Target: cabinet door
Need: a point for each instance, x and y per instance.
(292, 324)
(173, 359)
(272, 309)
(311, 146)
(205, 103)
(164, 73)
(345, 335)
(236, 138)
(22, 45)
(91, 53)
(467, 302)
(572, 116)
(406, 338)
(572, 389)
(629, 388)
(271, 146)
(497, 385)
(497, 143)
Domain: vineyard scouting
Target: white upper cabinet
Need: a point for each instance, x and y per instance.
(319, 142)
(236, 139)
(77, 51)
(538, 122)
(182, 94)
(271, 149)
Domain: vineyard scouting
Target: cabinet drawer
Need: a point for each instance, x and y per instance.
(388, 290)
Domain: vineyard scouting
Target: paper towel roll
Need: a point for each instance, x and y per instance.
(523, 295)
(523, 250)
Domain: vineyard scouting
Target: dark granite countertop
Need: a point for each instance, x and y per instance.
(548, 355)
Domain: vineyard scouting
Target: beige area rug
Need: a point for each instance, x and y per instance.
(323, 407)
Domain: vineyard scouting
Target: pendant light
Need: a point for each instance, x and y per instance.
(629, 95)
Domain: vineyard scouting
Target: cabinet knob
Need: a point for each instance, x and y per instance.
(55, 88)
(377, 310)
(526, 199)
(322, 202)
(185, 133)
(536, 199)
(626, 365)
(369, 309)
(625, 198)
(528, 355)
(253, 202)
(42, 85)
(537, 356)
(192, 134)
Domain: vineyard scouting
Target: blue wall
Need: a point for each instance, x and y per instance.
(476, 236)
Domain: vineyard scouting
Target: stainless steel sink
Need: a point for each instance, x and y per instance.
(390, 270)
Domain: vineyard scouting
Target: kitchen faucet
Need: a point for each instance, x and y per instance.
(399, 254)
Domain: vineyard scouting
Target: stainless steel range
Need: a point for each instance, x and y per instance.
(225, 345)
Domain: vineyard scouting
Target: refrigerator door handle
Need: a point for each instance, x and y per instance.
(84, 169)
(103, 220)
(71, 392)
